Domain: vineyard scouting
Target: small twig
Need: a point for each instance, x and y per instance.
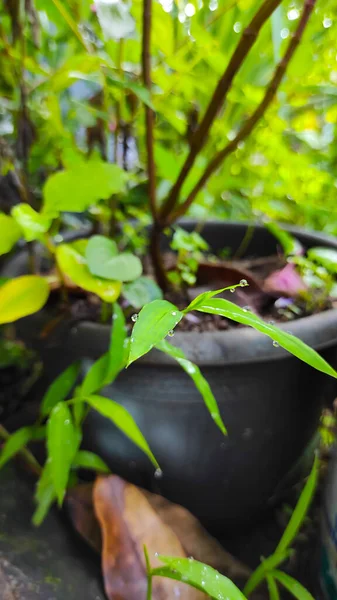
(149, 114)
(24, 452)
(249, 125)
(71, 23)
(246, 42)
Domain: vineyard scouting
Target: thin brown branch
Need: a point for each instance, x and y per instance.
(149, 115)
(246, 42)
(249, 125)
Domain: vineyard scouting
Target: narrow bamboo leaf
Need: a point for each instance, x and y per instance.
(200, 576)
(62, 445)
(59, 389)
(89, 460)
(154, 322)
(266, 566)
(10, 233)
(200, 382)
(45, 495)
(200, 300)
(21, 297)
(293, 586)
(107, 367)
(300, 510)
(15, 443)
(295, 346)
(123, 420)
(272, 588)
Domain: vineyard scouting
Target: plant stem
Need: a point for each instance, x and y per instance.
(156, 257)
(149, 114)
(249, 125)
(105, 310)
(246, 42)
(148, 574)
(24, 452)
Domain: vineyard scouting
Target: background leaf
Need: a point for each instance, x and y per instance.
(154, 322)
(21, 297)
(10, 233)
(293, 586)
(78, 189)
(104, 261)
(45, 495)
(32, 224)
(141, 292)
(15, 442)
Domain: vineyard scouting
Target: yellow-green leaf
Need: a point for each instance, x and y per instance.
(31, 222)
(21, 297)
(10, 233)
(72, 262)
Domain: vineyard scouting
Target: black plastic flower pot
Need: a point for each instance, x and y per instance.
(270, 402)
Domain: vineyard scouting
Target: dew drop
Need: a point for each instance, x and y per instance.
(232, 290)
(134, 317)
(191, 559)
(275, 344)
(244, 283)
(246, 308)
(271, 322)
(203, 583)
(158, 473)
(156, 554)
(66, 422)
(132, 339)
(174, 314)
(170, 333)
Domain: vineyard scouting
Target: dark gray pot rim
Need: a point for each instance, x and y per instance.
(231, 347)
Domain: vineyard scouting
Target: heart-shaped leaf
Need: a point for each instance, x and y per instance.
(21, 297)
(103, 260)
(10, 233)
(154, 322)
(31, 222)
(71, 260)
(77, 189)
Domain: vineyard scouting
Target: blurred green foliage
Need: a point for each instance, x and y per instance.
(76, 65)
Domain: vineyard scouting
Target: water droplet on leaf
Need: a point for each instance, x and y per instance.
(174, 314)
(244, 283)
(232, 290)
(158, 473)
(170, 333)
(275, 344)
(134, 317)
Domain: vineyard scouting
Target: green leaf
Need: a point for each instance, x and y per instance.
(89, 460)
(272, 588)
(327, 257)
(103, 260)
(45, 495)
(300, 510)
(290, 245)
(96, 376)
(15, 443)
(77, 189)
(141, 292)
(10, 233)
(59, 389)
(141, 92)
(293, 586)
(154, 322)
(266, 566)
(123, 420)
(200, 382)
(205, 296)
(31, 222)
(21, 297)
(62, 445)
(200, 576)
(71, 260)
(295, 346)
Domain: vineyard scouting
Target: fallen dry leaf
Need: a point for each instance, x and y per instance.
(129, 517)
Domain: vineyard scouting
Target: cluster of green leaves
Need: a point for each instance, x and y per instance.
(219, 587)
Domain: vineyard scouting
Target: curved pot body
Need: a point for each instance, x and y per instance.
(270, 403)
